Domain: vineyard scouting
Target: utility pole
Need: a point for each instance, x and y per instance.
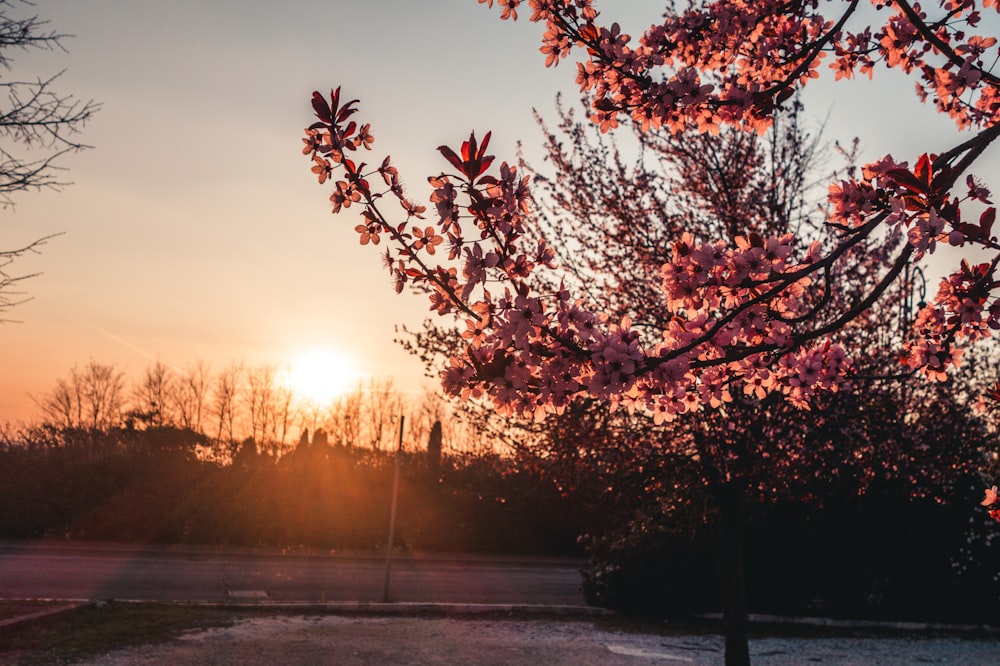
(392, 512)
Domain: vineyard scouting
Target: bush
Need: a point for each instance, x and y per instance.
(874, 557)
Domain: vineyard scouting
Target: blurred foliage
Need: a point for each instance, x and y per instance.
(881, 556)
(891, 529)
(151, 486)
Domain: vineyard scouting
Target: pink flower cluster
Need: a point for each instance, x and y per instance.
(535, 352)
(992, 502)
(966, 306)
(750, 319)
(733, 61)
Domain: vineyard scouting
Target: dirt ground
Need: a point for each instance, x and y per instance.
(367, 640)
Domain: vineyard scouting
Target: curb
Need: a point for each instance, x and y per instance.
(70, 605)
(833, 623)
(390, 608)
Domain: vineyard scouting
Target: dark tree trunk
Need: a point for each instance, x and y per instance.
(732, 518)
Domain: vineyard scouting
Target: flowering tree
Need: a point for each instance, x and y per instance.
(740, 317)
(615, 221)
(752, 315)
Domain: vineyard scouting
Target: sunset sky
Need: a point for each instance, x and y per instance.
(194, 230)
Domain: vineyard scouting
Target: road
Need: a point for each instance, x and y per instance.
(163, 573)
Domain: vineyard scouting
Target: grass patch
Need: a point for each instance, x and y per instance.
(11, 608)
(97, 629)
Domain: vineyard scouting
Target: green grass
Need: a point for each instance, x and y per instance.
(96, 629)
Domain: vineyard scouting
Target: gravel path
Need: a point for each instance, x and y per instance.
(366, 640)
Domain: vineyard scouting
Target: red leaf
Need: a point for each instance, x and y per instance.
(905, 179)
(469, 148)
(473, 162)
(321, 108)
(347, 111)
(588, 33)
(923, 170)
(784, 95)
(487, 161)
(986, 221)
(970, 231)
(605, 104)
(944, 175)
(450, 155)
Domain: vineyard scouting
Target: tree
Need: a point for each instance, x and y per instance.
(152, 395)
(91, 399)
(190, 392)
(345, 421)
(618, 219)
(38, 126)
(267, 410)
(224, 406)
(10, 295)
(533, 352)
(381, 406)
(743, 319)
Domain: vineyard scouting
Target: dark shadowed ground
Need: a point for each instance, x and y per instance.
(364, 640)
(124, 633)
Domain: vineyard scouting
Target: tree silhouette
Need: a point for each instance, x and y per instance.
(616, 219)
(38, 126)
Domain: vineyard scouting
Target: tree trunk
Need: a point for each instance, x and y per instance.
(732, 516)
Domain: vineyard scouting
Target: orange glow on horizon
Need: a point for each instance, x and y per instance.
(320, 376)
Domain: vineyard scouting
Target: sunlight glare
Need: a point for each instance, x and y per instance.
(320, 376)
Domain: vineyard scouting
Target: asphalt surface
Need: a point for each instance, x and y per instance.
(444, 610)
(35, 570)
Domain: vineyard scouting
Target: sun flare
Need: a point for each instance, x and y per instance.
(320, 376)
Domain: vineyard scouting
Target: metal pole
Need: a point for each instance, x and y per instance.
(392, 513)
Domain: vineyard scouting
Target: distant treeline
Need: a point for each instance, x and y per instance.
(231, 456)
(881, 555)
(236, 403)
(151, 486)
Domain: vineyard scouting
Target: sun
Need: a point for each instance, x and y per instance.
(320, 376)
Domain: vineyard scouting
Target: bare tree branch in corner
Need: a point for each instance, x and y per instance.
(10, 294)
(38, 126)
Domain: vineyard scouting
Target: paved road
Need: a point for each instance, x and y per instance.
(153, 573)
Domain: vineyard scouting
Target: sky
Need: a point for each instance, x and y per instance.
(194, 231)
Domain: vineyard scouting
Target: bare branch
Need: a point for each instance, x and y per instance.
(9, 296)
(38, 127)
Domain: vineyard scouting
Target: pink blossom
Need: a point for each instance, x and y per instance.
(744, 318)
